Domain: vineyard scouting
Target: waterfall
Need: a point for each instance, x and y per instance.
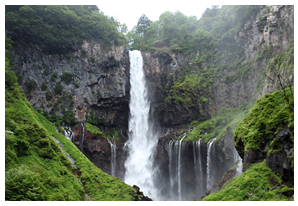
(83, 134)
(170, 165)
(179, 169)
(198, 165)
(68, 133)
(209, 146)
(141, 139)
(113, 156)
(238, 161)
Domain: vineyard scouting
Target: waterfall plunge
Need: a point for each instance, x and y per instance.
(141, 138)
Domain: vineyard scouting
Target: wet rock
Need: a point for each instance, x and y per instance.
(143, 198)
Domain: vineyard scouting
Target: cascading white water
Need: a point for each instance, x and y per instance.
(170, 165)
(141, 139)
(113, 156)
(209, 145)
(238, 161)
(83, 134)
(68, 133)
(198, 165)
(179, 169)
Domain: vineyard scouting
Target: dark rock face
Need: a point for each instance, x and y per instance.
(98, 150)
(99, 80)
(280, 162)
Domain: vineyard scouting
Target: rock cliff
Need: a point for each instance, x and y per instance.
(97, 80)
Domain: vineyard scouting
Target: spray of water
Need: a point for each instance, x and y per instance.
(141, 138)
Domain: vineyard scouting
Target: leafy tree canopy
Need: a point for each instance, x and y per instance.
(58, 29)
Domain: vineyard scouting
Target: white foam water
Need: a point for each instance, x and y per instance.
(141, 138)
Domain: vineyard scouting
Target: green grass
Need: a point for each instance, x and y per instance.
(35, 166)
(217, 126)
(252, 185)
(268, 116)
(93, 129)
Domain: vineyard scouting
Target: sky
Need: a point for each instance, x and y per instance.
(129, 11)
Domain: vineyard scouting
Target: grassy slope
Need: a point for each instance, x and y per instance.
(268, 116)
(252, 185)
(36, 168)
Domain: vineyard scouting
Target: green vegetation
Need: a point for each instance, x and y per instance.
(279, 69)
(217, 126)
(58, 88)
(258, 183)
(48, 95)
(93, 129)
(56, 29)
(188, 34)
(189, 88)
(66, 77)
(54, 76)
(43, 86)
(30, 85)
(268, 116)
(37, 169)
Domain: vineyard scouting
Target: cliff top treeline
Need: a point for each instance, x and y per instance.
(189, 34)
(59, 29)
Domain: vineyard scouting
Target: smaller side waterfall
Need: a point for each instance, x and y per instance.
(198, 166)
(83, 134)
(179, 169)
(170, 164)
(113, 156)
(209, 147)
(68, 133)
(238, 161)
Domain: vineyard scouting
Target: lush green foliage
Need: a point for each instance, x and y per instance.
(268, 116)
(251, 185)
(217, 126)
(56, 29)
(93, 129)
(36, 168)
(188, 34)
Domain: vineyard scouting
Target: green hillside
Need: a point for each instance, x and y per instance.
(35, 166)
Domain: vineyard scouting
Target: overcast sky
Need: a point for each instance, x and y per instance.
(129, 11)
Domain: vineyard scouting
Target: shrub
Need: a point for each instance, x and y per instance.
(54, 76)
(66, 77)
(43, 86)
(48, 95)
(30, 85)
(22, 184)
(58, 88)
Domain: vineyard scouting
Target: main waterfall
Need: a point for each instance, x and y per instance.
(141, 138)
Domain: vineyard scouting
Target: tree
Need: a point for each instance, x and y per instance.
(143, 25)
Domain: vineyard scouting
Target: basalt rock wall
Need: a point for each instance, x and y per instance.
(98, 82)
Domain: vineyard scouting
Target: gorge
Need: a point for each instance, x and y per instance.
(178, 116)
